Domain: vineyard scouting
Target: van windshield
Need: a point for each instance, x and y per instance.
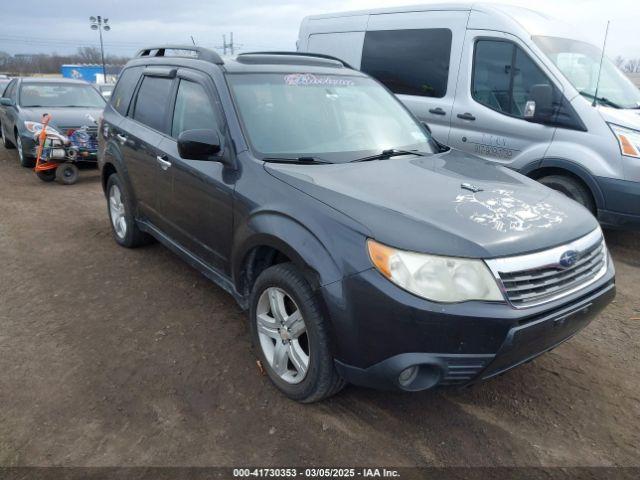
(580, 62)
(332, 117)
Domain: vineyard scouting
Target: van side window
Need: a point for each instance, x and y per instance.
(153, 101)
(193, 109)
(410, 62)
(503, 75)
(10, 92)
(123, 91)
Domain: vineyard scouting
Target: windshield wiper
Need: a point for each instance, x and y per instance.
(298, 160)
(603, 100)
(386, 154)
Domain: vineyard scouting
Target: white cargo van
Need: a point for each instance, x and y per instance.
(508, 84)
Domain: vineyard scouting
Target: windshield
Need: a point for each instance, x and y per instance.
(60, 95)
(334, 118)
(580, 62)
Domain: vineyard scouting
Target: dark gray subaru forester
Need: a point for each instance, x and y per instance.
(364, 251)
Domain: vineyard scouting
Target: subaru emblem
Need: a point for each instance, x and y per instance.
(568, 258)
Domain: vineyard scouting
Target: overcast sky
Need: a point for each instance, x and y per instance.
(31, 26)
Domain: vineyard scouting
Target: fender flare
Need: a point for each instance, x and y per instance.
(287, 235)
(113, 157)
(572, 167)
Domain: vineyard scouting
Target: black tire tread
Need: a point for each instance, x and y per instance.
(329, 381)
(570, 187)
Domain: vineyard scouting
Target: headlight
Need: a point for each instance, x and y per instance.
(36, 127)
(437, 278)
(629, 140)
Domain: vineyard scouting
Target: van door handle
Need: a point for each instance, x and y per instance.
(437, 111)
(163, 162)
(466, 116)
(121, 138)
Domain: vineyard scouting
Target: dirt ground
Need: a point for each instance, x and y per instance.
(113, 357)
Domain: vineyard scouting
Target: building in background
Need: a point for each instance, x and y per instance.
(91, 73)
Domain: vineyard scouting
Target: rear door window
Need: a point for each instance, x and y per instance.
(193, 109)
(121, 96)
(152, 102)
(410, 62)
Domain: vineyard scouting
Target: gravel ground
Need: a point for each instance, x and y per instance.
(112, 357)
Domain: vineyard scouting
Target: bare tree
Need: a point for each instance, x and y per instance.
(632, 65)
(619, 61)
(89, 54)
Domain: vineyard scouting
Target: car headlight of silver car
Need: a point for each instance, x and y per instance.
(628, 139)
(434, 277)
(36, 127)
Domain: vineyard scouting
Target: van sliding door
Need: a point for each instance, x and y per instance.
(416, 55)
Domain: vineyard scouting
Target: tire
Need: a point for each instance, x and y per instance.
(67, 174)
(25, 161)
(6, 143)
(320, 379)
(574, 189)
(123, 225)
(47, 175)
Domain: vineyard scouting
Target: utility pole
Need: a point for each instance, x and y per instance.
(226, 45)
(98, 23)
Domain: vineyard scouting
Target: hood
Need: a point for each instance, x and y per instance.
(625, 117)
(63, 117)
(448, 204)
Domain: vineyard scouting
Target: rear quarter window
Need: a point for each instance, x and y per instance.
(122, 93)
(410, 62)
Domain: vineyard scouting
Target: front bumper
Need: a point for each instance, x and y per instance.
(622, 203)
(387, 330)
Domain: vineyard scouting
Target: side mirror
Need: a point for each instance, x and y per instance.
(6, 102)
(199, 145)
(539, 106)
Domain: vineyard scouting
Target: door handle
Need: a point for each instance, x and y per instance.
(466, 116)
(163, 162)
(121, 138)
(437, 111)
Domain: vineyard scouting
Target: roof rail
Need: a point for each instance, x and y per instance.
(301, 54)
(199, 53)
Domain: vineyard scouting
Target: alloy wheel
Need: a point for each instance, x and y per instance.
(19, 147)
(283, 335)
(117, 212)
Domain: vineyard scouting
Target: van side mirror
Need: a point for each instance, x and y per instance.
(200, 144)
(6, 102)
(539, 106)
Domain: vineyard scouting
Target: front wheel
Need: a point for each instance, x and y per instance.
(291, 335)
(25, 161)
(572, 188)
(47, 175)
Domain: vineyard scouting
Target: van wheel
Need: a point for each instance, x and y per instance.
(573, 189)
(290, 334)
(123, 225)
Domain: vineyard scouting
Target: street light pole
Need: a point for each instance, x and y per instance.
(98, 23)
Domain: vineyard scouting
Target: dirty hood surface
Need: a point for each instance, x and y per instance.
(448, 204)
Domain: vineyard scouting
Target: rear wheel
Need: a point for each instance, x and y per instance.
(291, 335)
(6, 143)
(67, 174)
(47, 175)
(123, 225)
(25, 160)
(572, 188)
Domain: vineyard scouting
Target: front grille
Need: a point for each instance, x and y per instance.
(539, 278)
(91, 130)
